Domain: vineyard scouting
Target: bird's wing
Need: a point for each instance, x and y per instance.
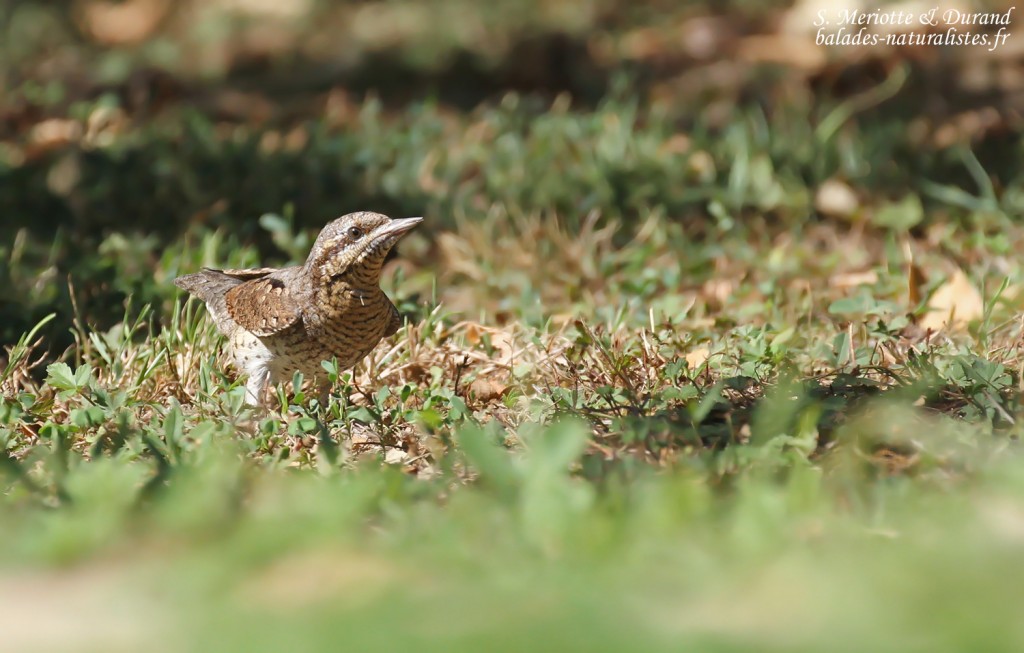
(252, 273)
(262, 305)
(394, 321)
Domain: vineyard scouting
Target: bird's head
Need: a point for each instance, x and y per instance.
(354, 247)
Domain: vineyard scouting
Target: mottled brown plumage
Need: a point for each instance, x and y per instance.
(279, 321)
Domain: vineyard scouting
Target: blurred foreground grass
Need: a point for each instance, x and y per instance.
(713, 341)
(227, 557)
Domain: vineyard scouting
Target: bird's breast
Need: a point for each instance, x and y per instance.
(351, 321)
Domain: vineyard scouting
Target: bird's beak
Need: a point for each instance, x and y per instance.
(398, 226)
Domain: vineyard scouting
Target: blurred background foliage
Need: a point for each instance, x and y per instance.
(130, 128)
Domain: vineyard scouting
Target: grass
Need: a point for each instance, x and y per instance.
(658, 471)
(725, 368)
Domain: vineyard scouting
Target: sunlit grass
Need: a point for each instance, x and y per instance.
(726, 367)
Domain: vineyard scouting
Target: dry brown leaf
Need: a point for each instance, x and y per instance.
(836, 198)
(853, 279)
(122, 23)
(473, 332)
(645, 43)
(676, 144)
(501, 341)
(697, 357)
(954, 305)
(718, 290)
(54, 132)
(395, 456)
(487, 390)
(788, 50)
(104, 125)
(701, 165)
(968, 125)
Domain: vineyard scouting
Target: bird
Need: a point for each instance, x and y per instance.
(278, 321)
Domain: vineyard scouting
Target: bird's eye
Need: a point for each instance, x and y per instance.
(355, 233)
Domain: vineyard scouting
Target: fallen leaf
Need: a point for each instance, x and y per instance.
(54, 132)
(676, 144)
(954, 305)
(718, 290)
(487, 390)
(797, 51)
(395, 456)
(501, 341)
(701, 165)
(645, 43)
(853, 279)
(473, 332)
(697, 357)
(123, 23)
(835, 198)
(103, 126)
